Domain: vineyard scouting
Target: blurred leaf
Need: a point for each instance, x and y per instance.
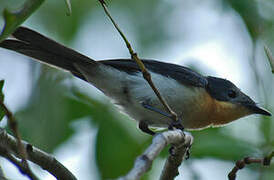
(266, 129)
(116, 148)
(69, 24)
(14, 18)
(2, 113)
(45, 121)
(249, 12)
(213, 143)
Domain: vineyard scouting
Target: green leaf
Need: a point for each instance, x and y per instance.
(213, 142)
(117, 143)
(14, 18)
(46, 119)
(1, 89)
(2, 113)
(116, 149)
(54, 12)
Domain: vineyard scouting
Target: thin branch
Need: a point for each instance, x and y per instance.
(269, 57)
(240, 164)
(141, 65)
(22, 152)
(2, 174)
(35, 155)
(143, 163)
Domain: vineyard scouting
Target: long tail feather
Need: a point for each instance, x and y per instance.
(41, 48)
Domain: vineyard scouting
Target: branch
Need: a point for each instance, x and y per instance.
(175, 158)
(141, 65)
(143, 163)
(35, 155)
(240, 164)
(24, 168)
(2, 175)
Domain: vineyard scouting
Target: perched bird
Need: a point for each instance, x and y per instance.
(200, 101)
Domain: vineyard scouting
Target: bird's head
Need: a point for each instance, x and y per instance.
(232, 100)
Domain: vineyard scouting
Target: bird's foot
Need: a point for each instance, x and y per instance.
(176, 124)
(144, 127)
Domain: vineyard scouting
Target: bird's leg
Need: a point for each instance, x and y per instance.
(149, 107)
(144, 127)
(174, 124)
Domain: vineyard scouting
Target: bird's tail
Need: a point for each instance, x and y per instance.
(41, 48)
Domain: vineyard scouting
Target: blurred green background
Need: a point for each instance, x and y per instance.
(67, 117)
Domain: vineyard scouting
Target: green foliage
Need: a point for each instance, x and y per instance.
(47, 116)
(2, 113)
(116, 145)
(214, 143)
(52, 14)
(68, 3)
(45, 120)
(14, 18)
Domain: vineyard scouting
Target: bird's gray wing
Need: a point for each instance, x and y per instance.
(182, 74)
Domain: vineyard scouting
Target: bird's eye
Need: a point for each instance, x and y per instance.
(232, 93)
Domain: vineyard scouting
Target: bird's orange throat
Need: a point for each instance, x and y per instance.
(225, 112)
(211, 112)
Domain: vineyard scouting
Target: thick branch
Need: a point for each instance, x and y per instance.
(35, 155)
(143, 163)
(175, 158)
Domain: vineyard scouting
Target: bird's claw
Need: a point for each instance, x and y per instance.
(176, 124)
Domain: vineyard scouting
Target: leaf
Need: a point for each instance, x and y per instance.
(54, 12)
(116, 149)
(46, 119)
(117, 142)
(15, 18)
(2, 113)
(214, 143)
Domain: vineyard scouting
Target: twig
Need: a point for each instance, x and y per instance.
(240, 164)
(141, 65)
(2, 175)
(22, 152)
(143, 163)
(20, 165)
(269, 57)
(35, 155)
(175, 158)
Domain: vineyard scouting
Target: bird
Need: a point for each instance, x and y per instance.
(199, 101)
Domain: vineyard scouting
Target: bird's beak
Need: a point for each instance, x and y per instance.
(258, 110)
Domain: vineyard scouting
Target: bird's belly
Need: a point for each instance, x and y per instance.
(190, 103)
(130, 91)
